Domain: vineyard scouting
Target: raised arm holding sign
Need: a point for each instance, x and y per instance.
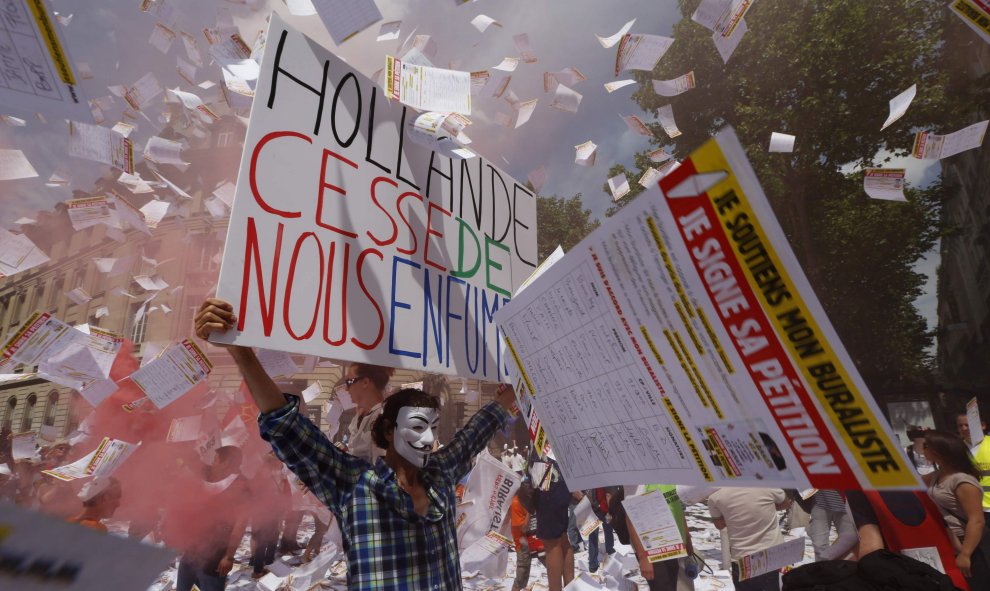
(402, 506)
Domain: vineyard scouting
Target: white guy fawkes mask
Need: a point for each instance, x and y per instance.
(415, 433)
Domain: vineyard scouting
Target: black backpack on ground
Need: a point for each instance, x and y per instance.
(877, 571)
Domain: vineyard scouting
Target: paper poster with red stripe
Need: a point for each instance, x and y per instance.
(681, 343)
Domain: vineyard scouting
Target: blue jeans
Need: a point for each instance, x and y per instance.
(193, 573)
(593, 545)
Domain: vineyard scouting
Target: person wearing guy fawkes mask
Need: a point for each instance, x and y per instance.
(396, 516)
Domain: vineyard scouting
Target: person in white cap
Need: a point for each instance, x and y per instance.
(100, 498)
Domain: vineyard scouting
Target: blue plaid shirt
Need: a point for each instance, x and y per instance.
(388, 545)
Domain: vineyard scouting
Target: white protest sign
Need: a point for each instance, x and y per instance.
(689, 308)
(771, 559)
(488, 495)
(38, 73)
(973, 420)
(349, 241)
(42, 553)
(655, 526)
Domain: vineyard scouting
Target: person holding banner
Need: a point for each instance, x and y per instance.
(365, 384)
(397, 517)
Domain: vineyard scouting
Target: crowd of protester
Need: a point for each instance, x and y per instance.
(389, 496)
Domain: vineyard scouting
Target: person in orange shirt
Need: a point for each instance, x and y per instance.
(100, 498)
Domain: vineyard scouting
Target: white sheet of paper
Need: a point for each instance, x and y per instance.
(483, 21)
(24, 445)
(40, 336)
(771, 559)
(613, 86)
(389, 31)
(154, 212)
(619, 186)
(163, 151)
(655, 525)
(102, 461)
(507, 64)
(344, 18)
(18, 253)
(277, 363)
(676, 86)
(611, 40)
(312, 391)
(566, 99)
(162, 38)
(301, 7)
(650, 178)
(524, 110)
(721, 16)
(184, 429)
(427, 88)
(973, 420)
(710, 12)
(726, 46)
(884, 183)
(584, 154)
(173, 373)
(15, 165)
(585, 517)
(641, 52)
(928, 145)
(97, 391)
(666, 117)
(89, 211)
(899, 105)
(781, 142)
(143, 91)
(521, 41)
(100, 144)
(636, 125)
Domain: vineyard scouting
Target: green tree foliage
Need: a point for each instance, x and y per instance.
(824, 71)
(561, 221)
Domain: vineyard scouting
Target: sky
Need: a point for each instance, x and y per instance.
(112, 37)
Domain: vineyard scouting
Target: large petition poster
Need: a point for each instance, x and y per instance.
(681, 343)
(349, 241)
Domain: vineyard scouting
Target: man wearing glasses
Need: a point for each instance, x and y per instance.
(365, 384)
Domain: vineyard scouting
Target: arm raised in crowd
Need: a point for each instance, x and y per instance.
(218, 316)
(455, 457)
